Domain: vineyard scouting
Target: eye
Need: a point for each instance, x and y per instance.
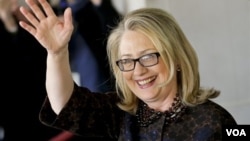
(147, 57)
(126, 61)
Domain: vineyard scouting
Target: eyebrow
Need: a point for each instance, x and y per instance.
(141, 53)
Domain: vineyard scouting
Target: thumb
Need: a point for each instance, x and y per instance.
(68, 20)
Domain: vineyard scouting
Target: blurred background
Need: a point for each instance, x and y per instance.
(218, 30)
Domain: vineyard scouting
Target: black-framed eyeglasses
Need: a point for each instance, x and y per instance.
(147, 60)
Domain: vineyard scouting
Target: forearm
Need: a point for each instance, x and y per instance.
(59, 81)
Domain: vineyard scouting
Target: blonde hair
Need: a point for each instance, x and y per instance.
(168, 38)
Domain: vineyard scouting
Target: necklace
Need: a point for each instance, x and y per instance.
(146, 116)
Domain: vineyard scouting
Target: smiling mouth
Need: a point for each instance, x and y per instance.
(146, 81)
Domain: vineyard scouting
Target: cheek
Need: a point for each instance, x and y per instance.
(127, 76)
(162, 71)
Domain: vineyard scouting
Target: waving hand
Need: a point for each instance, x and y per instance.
(51, 32)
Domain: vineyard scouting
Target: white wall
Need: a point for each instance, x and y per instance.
(220, 32)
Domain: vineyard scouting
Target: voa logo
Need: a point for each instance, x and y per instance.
(236, 132)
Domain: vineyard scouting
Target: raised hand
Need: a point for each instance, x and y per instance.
(52, 32)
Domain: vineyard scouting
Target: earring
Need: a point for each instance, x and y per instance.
(178, 68)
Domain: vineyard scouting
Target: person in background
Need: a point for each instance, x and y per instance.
(23, 64)
(8, 9)
(87, 48)
(158, 94)
(94, 20)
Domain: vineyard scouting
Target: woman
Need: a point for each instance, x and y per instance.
(158, 93)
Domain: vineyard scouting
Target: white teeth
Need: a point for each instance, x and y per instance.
(143, 82)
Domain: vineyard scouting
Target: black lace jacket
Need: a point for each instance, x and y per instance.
(96, 115)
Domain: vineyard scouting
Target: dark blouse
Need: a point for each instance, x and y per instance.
(96, 115)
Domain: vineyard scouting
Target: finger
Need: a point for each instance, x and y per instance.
(47, 8)
(28, 28)
(30, 17)
(68, 18)
(35, 9)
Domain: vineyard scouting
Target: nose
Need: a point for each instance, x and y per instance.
(139, 69)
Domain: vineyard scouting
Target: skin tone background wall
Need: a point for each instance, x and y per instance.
(220, 33)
